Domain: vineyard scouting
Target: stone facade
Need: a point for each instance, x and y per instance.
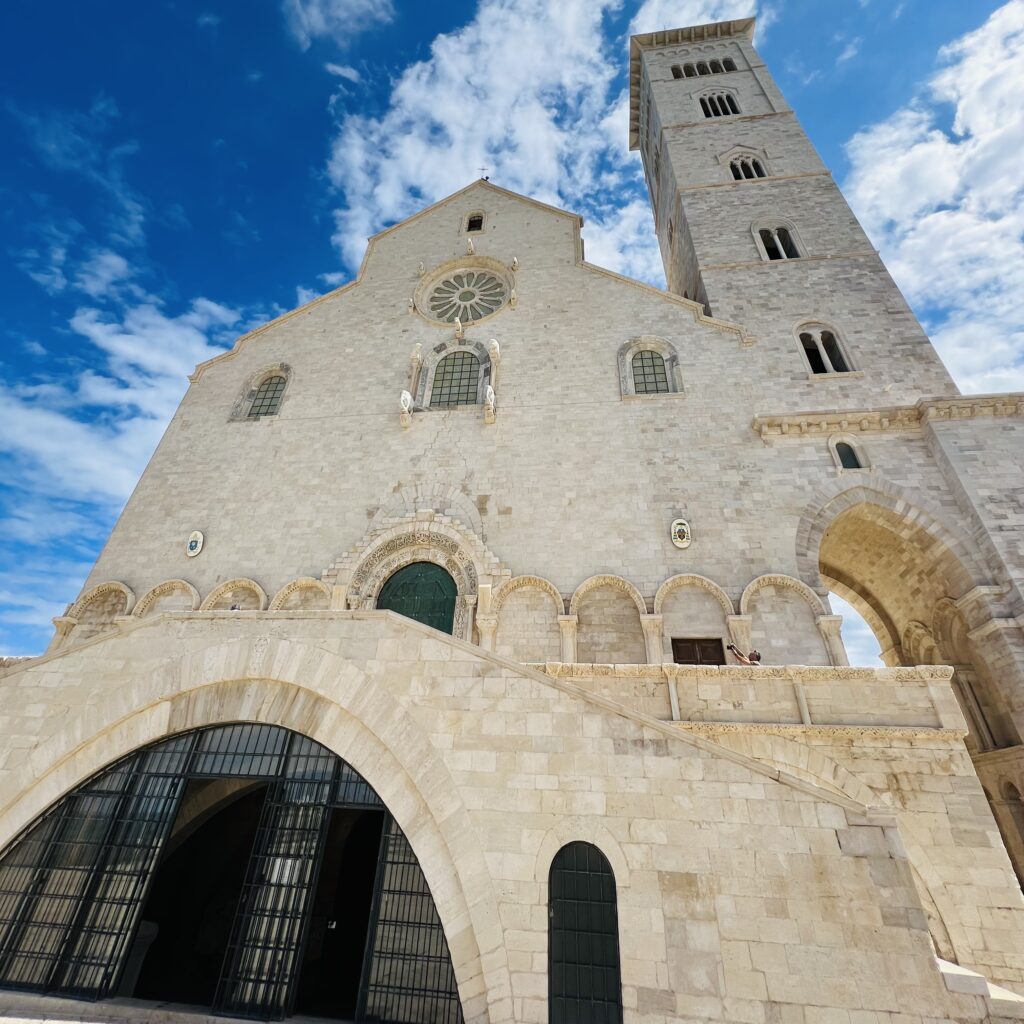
(795, 843)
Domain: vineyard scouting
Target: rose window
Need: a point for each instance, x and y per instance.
(468, 295)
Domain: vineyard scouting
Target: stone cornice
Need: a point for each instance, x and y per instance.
(887, 733)
(673, 37)
(921, 674)
(895, 418)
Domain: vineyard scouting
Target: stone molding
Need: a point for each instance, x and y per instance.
(895, 418)
(110, 586)
(242, 583)
(691, 579)
(652, 343)
(242, 404)
(606, 580)
(302, 583)
(780, 580)
(888, 733)
(167, 587)
(422, 536)
(533, 582)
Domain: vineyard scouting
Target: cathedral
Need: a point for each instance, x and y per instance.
(464, 653)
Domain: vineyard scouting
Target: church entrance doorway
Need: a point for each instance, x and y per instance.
(340, 917)
(186, 921)
(423, 591)
(240, 868)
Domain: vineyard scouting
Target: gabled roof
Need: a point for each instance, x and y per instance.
(673, 37)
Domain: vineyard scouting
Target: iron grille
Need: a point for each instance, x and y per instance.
(455, 380)
(408, 974)
(649, 375)
(583, 950)
(73, 886)
(268, 397)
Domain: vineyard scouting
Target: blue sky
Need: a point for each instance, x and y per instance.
(173, 173)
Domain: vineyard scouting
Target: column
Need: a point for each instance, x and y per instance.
(567, 624)
(486, 626)
(829, 627)
(652, 626)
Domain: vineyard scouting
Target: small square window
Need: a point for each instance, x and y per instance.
(475, 222)
(698, 652)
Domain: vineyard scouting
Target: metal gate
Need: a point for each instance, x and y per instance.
(73, 887)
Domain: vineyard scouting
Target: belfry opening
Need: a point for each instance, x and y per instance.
(241, 868)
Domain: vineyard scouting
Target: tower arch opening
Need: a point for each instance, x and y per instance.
(242, 867)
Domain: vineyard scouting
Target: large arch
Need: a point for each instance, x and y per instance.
(322, 696)
(197, 909)
(925, 591)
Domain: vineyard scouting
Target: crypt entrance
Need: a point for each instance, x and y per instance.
(243, 868)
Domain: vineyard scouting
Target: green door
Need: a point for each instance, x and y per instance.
(422, 591)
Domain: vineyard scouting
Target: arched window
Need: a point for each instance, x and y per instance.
(847, 456)
(456, 381)
(729, 64)
(824, 352)
(584, 980)
(268, 397)
(649, 374)
(702, 69)
(719, 104)
(690, 71)
(777, 244)
(677, 71)
(716, 67)
(747, 167)
(475, 222)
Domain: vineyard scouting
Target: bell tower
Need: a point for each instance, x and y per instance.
(751, 223)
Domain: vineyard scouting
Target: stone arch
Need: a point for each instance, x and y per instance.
(914, 508)
(527, 610)
(224, 684)
(690, 579)
(855, 446)
(575, 829)
(781, 580)
(304, 593)
(810, 765)
(423, 536)
(180, 593)
(95, 612)
(606, 580)
(649, 342)
(919, 645)
(534, 582)
(609, 612)
(786, 621)
(243, 591)
(251, 384)
(81, 608)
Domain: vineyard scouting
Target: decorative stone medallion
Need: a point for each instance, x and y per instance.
(467, 295)
(195, 544)
(680, 533)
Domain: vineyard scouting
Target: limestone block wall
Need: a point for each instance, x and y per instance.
(741, 883)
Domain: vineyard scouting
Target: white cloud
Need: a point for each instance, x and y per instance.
(343, 71)
(304, 295)
(945, 205)
(101, 273)
(33, 348)
(338, 20)
(52, 439)
(208, 20)
(655, 15)
(849, 51)
(528, 90)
